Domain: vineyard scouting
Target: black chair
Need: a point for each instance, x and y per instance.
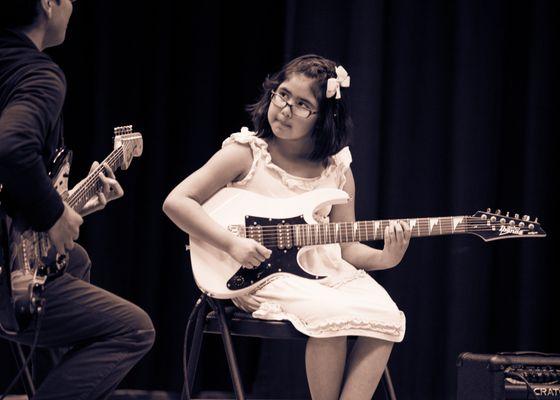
(26, 377)
(210, 316)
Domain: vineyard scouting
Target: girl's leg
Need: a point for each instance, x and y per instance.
(324, 363)
(365, 367)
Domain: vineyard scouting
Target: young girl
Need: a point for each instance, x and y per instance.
(299, 144)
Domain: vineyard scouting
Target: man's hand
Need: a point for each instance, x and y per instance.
(65, 230)
(111, 190)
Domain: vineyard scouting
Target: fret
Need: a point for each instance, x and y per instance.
(358, 231)
(456, 222)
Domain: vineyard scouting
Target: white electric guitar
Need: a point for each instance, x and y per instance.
(286, 225)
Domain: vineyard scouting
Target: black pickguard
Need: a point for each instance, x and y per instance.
(281, 260)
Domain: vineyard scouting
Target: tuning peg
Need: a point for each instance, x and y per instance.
(502, 221)
(512, 222)
(531, 226)
(488, 210)
(521, 224)
(536, 221)
(526, 218)
(516, 216)
(498, 211)
(507, 214)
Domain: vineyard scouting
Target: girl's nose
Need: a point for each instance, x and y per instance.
(287, 111)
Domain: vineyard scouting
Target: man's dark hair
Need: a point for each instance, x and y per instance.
(19, 13)
(333, 123)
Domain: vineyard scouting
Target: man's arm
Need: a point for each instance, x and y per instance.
(30, 114)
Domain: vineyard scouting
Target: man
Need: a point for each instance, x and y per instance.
(106, 335)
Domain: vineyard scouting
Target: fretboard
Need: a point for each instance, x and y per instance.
(90, 186)
(342, 232)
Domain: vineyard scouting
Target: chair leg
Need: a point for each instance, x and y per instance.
(389, 384)
(194, 353)
(26, 379)
(198, 312)
(228, 346)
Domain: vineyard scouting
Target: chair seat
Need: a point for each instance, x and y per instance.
(244, 324)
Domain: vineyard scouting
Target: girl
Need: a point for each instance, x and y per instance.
(299, 144)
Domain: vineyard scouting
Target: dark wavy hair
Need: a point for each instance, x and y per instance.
(333, 125)
(19, 13)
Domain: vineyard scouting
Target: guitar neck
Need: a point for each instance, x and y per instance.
(90, 186)
(344, 232)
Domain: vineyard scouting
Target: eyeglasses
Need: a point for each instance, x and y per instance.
(280, 101)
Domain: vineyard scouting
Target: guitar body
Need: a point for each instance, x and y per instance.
(32, 258)
(219, 275)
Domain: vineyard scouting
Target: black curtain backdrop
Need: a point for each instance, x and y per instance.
(454, 105)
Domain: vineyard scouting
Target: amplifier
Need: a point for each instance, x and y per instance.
(505, 376)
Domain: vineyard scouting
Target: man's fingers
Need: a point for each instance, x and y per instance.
(94, 165)
(105, 182)
(102, 199)
(109, 171)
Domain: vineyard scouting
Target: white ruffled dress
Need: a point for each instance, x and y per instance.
(347, 303)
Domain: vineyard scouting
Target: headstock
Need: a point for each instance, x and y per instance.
(131, 143)
(495, 226)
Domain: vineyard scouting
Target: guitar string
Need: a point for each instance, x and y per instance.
(339, 237)
(322, 240)
(445, 221)
(321, 235)
(92, 178)
(82, 190)
(462, 226)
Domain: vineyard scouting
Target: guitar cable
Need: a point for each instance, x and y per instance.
(530, 388)
(38, 317)
(185, 392)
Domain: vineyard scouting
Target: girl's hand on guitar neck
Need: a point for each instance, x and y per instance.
(248, 252)
(397, 237)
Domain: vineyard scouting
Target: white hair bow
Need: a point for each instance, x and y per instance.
(334, 84)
